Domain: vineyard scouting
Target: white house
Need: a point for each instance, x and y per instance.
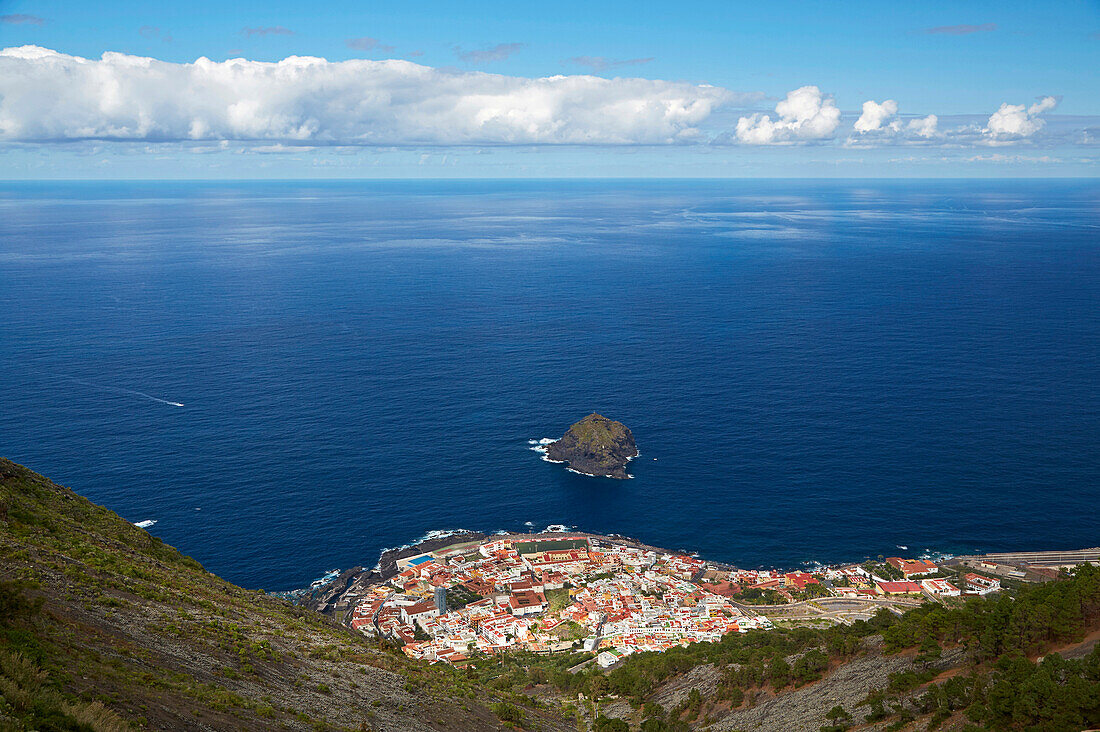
(981, 585)
(940, 588)
(611, 657)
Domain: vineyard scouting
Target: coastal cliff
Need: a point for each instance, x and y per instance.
(596, 446)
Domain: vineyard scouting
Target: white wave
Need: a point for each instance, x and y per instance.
(901, 546)
(541, 450)
(120, 390)
(540, 446)
(433, 534)
(558, 529)
(147, 523)
(935, 556)
(442, 533)
(329, 576)
(528, 523)
(587, 475)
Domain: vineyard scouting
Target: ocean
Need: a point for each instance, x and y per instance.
(814, 371)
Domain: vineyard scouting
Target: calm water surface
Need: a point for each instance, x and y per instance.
(813, 370)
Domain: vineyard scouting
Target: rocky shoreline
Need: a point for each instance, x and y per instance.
(595, 446)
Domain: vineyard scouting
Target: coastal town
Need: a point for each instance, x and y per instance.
(564, 592)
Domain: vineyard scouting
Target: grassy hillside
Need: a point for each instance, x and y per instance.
(104, 627)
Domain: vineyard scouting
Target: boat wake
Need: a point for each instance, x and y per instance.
(132, 392)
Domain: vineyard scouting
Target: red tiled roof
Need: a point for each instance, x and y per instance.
(901, 587)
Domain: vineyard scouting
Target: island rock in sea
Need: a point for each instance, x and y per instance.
(595, 446)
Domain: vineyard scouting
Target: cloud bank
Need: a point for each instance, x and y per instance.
(49, 96)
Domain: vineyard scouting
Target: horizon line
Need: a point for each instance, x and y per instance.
(392, 179)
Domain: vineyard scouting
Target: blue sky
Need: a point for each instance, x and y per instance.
(715, 73)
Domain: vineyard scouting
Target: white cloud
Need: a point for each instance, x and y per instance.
(49, 96)
(875, 114)
(806, 114)
(925, 127)
(1013, 121)
(46, 96)
(880, 124)
(1011, 124)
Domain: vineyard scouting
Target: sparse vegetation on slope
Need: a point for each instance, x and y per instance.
(104, 627)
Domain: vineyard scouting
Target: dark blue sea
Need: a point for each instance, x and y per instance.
(814, 371)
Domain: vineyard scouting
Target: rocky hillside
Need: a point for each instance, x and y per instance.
(596, 446)
(104, 627)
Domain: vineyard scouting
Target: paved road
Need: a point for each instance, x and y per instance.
(908, 601)
(837, 609)
(827, 604)
(1067, 557)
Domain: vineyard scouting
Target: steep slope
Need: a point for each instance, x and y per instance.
(104, 627)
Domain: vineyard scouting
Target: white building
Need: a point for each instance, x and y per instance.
(981, 585)
(940, 588)
(611, 657)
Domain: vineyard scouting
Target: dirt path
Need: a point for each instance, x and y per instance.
(1079, 649)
